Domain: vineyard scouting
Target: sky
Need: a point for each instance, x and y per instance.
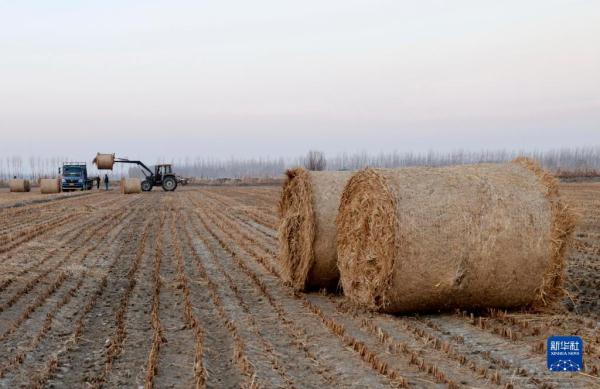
(231, 78)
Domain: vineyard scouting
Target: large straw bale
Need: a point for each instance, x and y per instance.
(104, 161)
(472, 236)
(49, 185)
(19, 185)
(308, 209)
(131, 185)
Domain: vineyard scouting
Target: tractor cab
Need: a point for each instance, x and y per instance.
(163, 176)
(162, 170)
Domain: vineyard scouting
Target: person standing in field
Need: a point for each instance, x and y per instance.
(106, 181)
(98, 182)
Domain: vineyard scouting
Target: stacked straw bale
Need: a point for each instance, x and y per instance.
(19, 185)
(131, 185)
(307, 234)
(489, 235)
(104, 161)
(49, 185)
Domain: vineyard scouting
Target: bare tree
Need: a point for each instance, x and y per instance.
(315, 160)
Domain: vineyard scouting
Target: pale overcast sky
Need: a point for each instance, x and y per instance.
(258, 78)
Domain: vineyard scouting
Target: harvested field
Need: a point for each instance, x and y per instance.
(9, 200)
(183, 289)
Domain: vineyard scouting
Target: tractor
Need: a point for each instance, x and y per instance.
(162, 176)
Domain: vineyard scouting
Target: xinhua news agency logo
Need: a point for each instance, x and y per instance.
(565, 353)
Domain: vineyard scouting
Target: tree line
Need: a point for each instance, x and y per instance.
(584, 160)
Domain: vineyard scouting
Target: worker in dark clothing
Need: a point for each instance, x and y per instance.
(98, 182)
(106, 181)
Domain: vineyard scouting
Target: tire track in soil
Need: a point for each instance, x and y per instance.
(349, 369)
(36, 328)
(81, 356)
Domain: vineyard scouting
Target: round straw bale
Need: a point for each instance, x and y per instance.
(132, 185)
(19, 185)
(49, 185)
(104, 161)
(471, 236)
(308, 208)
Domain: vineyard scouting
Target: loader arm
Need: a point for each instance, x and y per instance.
(140, 163)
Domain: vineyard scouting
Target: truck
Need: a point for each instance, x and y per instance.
(75, 177)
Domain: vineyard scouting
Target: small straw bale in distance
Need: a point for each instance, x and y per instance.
(471, 236)
(307, 233)
(131, 185)
(19, 185)
(104, 161)
(49, 185)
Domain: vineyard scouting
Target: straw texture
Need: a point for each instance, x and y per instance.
(471, 236)
(19, 185)
(49, 185)
(104, 161)
(307, 234)
(131, 185)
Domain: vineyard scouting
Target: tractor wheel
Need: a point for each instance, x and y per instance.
(146, 186)
(169, 184)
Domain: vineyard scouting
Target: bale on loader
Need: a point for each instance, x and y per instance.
(49, 185)
(104, 161)
(472, 236)
(19, 185)
(308, 208)
(131, 185)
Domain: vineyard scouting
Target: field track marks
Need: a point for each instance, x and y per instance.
(328, 351)
(267, 365)
(44, 200)
(81, 356)
(286, 345)
(42, 226)
(36, 328)
(50, 229)
(26, 262)
(221, 359)
(239, 216)
(176, 359)
(64, 260)
(265, 223)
